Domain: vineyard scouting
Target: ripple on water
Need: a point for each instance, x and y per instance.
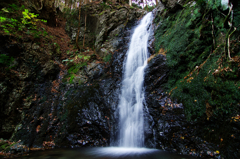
(104, 153)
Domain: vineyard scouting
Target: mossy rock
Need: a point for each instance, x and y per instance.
(200, 75)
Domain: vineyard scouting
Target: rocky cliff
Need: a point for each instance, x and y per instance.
(191, 66)
(41, 108)
(49, 98)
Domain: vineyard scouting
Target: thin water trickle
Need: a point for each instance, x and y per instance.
(132, 94)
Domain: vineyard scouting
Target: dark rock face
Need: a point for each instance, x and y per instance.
(42, 111)
(156, 72)
(155, 75)
(45, 9)
(173, 5)
(17, 90)
(166, 126)
(52, 114)
(104, 26)
(75, 115)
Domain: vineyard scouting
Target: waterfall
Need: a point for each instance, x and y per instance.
(132, 94)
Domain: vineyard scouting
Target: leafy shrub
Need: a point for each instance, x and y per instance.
(12, 25)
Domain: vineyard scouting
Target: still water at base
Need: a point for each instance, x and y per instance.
(104, 153)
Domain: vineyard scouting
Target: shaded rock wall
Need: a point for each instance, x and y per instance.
(31, 65)
(60, 114)
(166, 124)
(104, 25)
(75, 115)
(39, 109)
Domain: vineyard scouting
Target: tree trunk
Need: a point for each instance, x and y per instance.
(75, 5)
(85, 28)
(65, 3)
(130, 2)
(146, 5)
(79, 24)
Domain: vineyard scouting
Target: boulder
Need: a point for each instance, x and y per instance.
(50, 70)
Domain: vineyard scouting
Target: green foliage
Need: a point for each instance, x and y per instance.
(23, 21)
(193, 80)
(107, 58)
(2, 19)
(236, 14)
(14, 7)
(102, 12)
(214, 4)
(105, 6)
(71, 16)
(71, 78)
(29, 18)
(3, 146)
(149, 8)
(5, 60)
(136, 6)
(75, 65)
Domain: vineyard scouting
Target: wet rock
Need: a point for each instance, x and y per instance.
(50, 70)
(84, 113)
(166, 126)
(35, 46)
(19, 149)
(173, 5)
(156, 72)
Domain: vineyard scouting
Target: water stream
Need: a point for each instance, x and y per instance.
(131, 111)
(132, 95)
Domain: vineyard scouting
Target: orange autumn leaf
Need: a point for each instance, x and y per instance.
(38, 128)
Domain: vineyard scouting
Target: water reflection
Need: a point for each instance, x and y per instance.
(104, 153)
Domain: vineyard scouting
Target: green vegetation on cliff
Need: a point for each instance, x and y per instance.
(204, 67)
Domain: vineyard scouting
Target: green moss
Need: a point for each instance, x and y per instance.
(3, 146)
(136, 6)
(107, 58)
(102, 12)
(6, 60)
(193, 60)
(105, 6)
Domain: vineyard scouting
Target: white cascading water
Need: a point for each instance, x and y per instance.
(132, 95)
